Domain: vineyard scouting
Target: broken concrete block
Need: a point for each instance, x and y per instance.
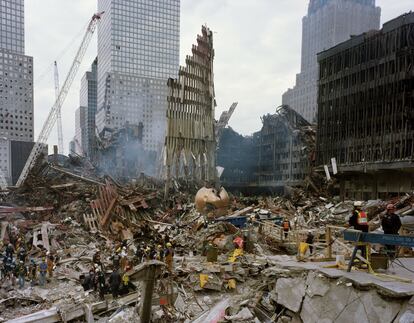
(406, 314)
(180, 304)
(328, 307)
(317, 286)
(407, 317)
(243, 315)
(345, 304)
(228, 268)
(381, 310)
(290, 292)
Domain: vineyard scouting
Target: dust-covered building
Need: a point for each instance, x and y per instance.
(366, 110)
(285, 147)
(237, 154)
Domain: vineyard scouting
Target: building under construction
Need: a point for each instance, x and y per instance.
(366, 111)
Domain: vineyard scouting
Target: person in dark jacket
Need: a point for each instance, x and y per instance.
(309, 240)
(115, 282)
(21, 272)
(391, 224)
(22, 254)
(9, 251)
(116, 259)
(100, 280)
(32, 272)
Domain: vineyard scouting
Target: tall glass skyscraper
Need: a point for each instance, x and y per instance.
(12, 25)
(16, 91)
(328, 23)
(85, 139)
(138, 50)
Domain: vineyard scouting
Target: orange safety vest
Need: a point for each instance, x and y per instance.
(286, 225)
(362, 218)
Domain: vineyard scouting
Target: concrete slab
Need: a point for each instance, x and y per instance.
(387, 286)
(290, 292)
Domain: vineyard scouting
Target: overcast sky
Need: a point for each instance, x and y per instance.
(257, 44)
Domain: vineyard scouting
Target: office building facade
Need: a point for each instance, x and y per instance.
(16, 89)
(89, 100)
(138, 50)
(81, 126)
(365, 111)
(328, 23)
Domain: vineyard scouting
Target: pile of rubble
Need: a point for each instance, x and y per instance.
(84, 225)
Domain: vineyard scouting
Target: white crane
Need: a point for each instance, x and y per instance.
(51, 118)
(59, 115)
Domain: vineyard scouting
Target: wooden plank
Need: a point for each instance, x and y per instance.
(108, 213)
(329, 241)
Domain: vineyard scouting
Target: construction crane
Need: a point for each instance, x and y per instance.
(51, 118)
(59, 115)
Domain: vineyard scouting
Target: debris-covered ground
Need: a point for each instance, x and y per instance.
(77, 245)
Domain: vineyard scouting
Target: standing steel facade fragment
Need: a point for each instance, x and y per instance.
(190, 142)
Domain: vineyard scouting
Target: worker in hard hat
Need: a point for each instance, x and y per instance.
(359, 221)
(116, 258)
(286, 227)
(359, 218)
(124, 258)
(100, 282)
(147, 253)
(126, 284)
(391, 224)
(169, 256)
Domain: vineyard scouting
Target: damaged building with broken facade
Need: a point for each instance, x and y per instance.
(237, 155)
(277, 156)
(283, 149)
(366, 111)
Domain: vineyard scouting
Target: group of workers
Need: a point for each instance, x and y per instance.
(118, 282)
(162, 253)
(16, 265)
(390, 223)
